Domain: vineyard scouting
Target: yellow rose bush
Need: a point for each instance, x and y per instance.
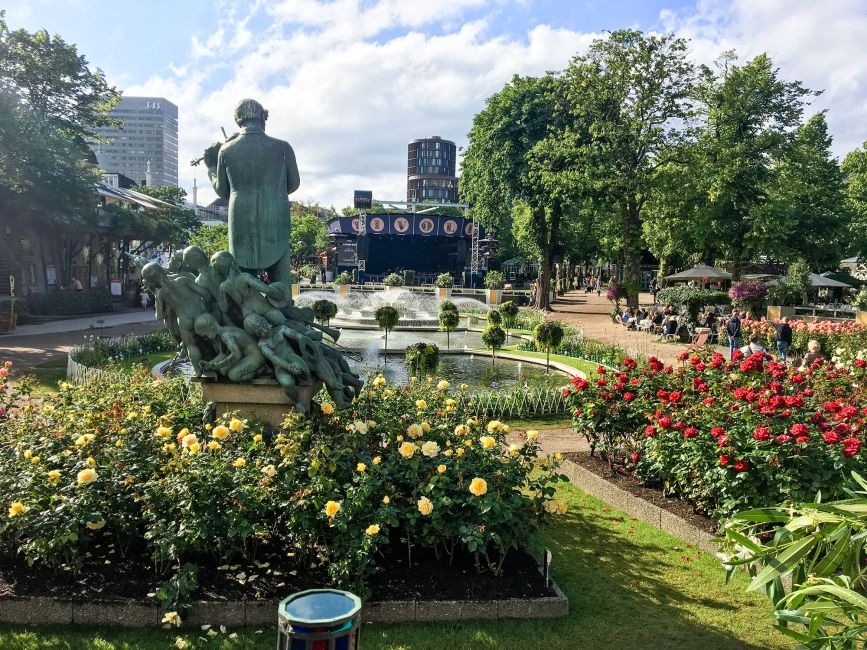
(333, 487)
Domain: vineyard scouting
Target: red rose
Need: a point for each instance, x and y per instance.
(761, 434)
(831, 437)
(601, 382)
(679, 425)
(690, 432)
(683, 356)
(783, 439)
(741, 466)
(722, 441)
(579, 383)
(860, 363)
(661, 394)
(802, 439)
(799, 429)
(649, 431)
(724, 460)
(628, 397)
(565, 392)
(635, 458)
(717, 431)
(708, 401)
(674, 396)
(601, 370)
(851, 446)
(578, 412)
(737, 355)
(665, 422)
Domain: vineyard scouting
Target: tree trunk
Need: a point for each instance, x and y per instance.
(543, 286)
(631, 242)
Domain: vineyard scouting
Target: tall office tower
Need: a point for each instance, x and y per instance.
(430, 171)
(149, 135)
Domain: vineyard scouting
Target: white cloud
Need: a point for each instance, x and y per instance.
(349, 83)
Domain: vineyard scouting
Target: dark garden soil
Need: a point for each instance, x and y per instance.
(649, 493)
(275, 577)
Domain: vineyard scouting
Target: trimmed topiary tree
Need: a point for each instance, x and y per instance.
(548, 336)
(493, 338)
(495, 317)
(422, 357)
(386, 317)
(324, 311)
(449, 320)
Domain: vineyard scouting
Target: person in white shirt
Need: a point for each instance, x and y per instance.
(753, 346)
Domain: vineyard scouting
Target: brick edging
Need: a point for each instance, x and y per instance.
(240, 613)
(635, 506)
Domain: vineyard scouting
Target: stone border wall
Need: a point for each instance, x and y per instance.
(635, 506)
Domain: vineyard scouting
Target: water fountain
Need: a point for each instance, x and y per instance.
(418, 311)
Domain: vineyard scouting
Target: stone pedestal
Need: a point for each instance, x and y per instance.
(264, 401)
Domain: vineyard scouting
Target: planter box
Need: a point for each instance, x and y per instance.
(393, 289)
(295, 290)
(494, 296)
(341, 290)
(261, 400)
(443, 293)
(861, 317)
(776, 312)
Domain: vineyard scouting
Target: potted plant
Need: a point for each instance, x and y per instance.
(393, 282)
(494, 283)
(444, 284)
(341, 284)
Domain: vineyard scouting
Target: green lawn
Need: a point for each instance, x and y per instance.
(629, 586)
(587, 367)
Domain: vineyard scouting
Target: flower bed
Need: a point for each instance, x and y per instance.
(834, 337)
(123, 469)
(724, 435)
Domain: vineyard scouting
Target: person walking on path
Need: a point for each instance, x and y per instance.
(733, 329)
(784, 338)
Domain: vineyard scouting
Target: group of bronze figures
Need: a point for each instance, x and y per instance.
(231, 324)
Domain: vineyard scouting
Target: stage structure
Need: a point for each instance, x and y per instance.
(416, 238)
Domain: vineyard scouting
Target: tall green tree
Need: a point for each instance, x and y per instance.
(309, 233)
(628, 99)
(751, 117)
(805, 215)
(501, 168)
(174, 224)
(854, 168)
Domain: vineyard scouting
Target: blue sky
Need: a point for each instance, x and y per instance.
(350, 82)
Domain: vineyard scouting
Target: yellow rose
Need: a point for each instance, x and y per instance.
(413, 379)
(327, 409)
(208, 426)
(459, 452)
(240, 462)
(83, 440)
(494, 426)
(118, 443)
(28, 454)
(425, 507)
(372, 530)
(488, 442)
(462, 430)
(257, 437)
(379, 381)
(132, 415)
(407, 449)
(164, 432)
(35, 459)
(332, 508)
(213, 445)
(17, 508)
(90, 460)
(414, 431)
(464, 386)
(194, 448)
(236, 424)
(147, 409)
(562, 508)
(387, 393)
(220, 432)
(361, 467)
(87, 476)
(514, 449)
(558, 457)
(54, 476)
(443, 385)
(448, 453)
(95, 525)
(172, 618)
(123, 432)
(421, 405)
(377, 460)
(386, 500)
(425, 427)
(532, 434)
(270, 471)
(478, 486)
(468, 443)
(441, 469)
(370, 424)
(399, 438)
(471, 422)
(188, 439)
(450, 402)
(430, 449)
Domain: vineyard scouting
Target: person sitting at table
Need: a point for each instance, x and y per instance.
(753, 346)
(625, 317)
(669, 327)
(658, 318)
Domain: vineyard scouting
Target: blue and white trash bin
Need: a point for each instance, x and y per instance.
(319, 619)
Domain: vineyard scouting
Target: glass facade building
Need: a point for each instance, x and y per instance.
(149, 133)
(430, 171)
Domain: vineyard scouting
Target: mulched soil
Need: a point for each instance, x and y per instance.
(650, 493)
(273, 577)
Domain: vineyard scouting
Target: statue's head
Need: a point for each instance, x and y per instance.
(257, 325)
(176, 261)
(206, 325)
(153, 275)
(249, 112)
(195, 258)
(223, 262)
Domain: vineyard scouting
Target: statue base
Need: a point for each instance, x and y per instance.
(263, 401)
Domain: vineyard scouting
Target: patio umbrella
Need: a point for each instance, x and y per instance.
(700, 272)
(817, 281)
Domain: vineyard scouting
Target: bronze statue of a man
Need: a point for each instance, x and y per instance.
(256, 173)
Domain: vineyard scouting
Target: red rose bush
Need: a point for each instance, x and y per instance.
(728, 435)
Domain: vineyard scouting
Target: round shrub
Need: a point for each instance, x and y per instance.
(324, 310)
(422, 358)
(510, 311)
(343, 278)
(494, 280)
(445, 281)
(495, 317)
(393, 280)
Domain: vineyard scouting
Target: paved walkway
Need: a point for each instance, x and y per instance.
(593, 314)
(28, 346)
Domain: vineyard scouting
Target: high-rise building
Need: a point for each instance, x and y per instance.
(430, 171)
(149, 135)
